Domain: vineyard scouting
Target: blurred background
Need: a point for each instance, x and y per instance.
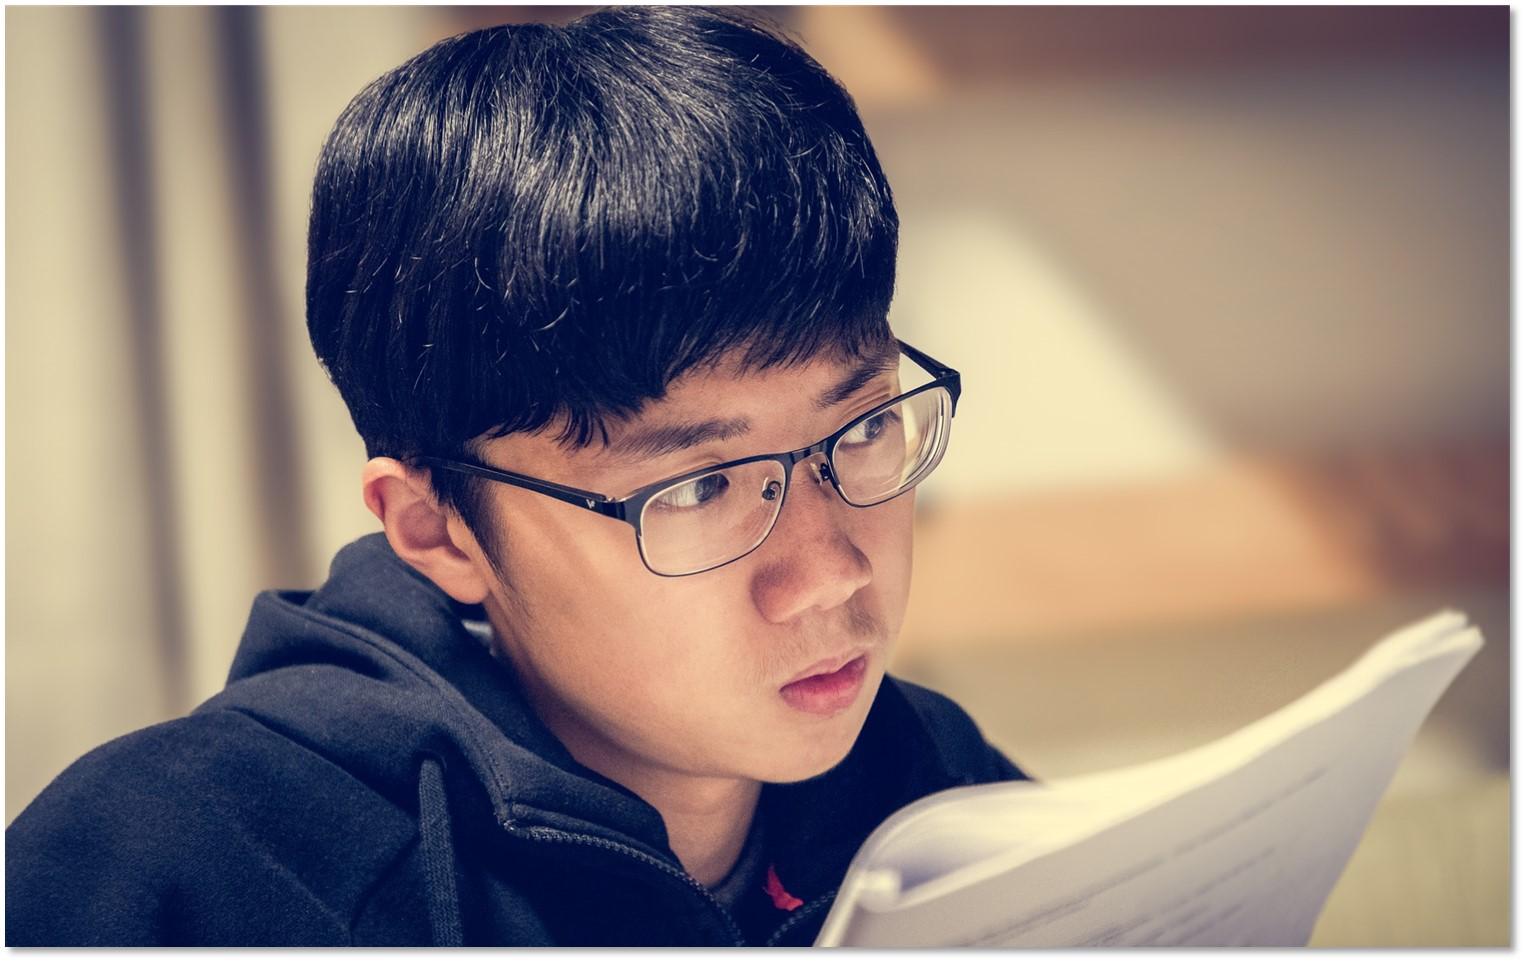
(1228, 287)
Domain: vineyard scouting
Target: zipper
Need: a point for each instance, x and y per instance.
(802, 913)
(547, 834)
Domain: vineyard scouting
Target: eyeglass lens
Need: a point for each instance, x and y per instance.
(710, 520)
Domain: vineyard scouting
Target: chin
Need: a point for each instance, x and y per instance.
(812, 754)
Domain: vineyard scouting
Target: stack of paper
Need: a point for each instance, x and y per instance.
(1237, 843)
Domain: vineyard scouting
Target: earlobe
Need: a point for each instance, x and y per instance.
(418, 529)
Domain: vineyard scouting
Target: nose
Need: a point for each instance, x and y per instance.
(810, 561)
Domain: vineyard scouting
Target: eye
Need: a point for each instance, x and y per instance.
(693, 494)
(870, 429)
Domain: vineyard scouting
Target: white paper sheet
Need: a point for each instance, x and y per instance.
(1237, 843)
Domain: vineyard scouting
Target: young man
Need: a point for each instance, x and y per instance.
(608, 305)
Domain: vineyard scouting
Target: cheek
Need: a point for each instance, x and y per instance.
(886, 538)
(616, 639)
(660, 674)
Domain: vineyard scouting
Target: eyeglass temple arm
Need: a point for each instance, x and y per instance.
(593, 501)
(937, 369)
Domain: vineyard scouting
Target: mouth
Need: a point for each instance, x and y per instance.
(828, 687)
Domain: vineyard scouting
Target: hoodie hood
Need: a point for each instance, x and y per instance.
(377, 673)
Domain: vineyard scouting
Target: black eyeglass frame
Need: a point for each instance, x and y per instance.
(629, 508)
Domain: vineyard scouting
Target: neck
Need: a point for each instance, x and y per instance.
(707, 821)
(707, 817)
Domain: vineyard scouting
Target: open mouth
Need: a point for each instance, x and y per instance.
(827, 693)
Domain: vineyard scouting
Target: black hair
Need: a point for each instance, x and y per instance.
(529, 223)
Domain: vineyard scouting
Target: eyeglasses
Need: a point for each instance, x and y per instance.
(704, 519)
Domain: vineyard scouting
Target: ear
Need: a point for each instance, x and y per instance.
(422, 532)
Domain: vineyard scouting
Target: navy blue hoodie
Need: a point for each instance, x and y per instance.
(371, 775)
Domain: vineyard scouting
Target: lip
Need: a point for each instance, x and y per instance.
(828, 666)
(828, 693)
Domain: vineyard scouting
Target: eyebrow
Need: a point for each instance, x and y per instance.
(658, 440)
(866, 372)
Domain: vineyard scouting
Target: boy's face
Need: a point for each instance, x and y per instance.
(641, 675)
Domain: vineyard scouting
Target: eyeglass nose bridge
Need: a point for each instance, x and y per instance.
(788, 461)
(775, 492)
(824, 472)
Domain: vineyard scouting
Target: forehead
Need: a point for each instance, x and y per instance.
(730, 382)
(722, 403)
